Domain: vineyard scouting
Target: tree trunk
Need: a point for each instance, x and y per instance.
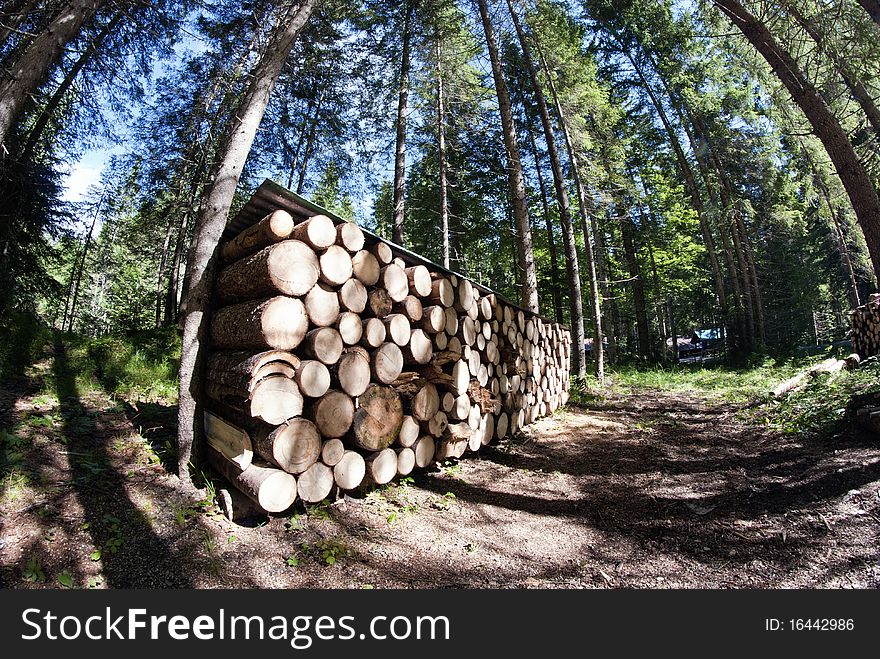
(528, 280)
(562, 201)
(579, 357)
(638, 284)
(310, 143)
(397, 232)
(13, 16)
(80, 269)
(851, 171)
(52, 104)
(160, 273)
(848, 75)
(873, 9)
(21, 81)
(217, 202)
(442, 157)
(551, 239)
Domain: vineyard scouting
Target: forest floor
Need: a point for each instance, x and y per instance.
(645, 489)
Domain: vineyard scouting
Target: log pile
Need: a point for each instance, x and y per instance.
(339, 360)
(866, 327)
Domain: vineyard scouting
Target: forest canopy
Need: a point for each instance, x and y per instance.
(637, 170)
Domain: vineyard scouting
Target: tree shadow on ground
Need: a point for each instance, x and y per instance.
(132, 553)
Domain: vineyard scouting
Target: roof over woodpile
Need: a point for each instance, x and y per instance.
(270, 197)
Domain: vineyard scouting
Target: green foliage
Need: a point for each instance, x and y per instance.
(143, 364)
(820, 407)
(33, 571)
(25, 337)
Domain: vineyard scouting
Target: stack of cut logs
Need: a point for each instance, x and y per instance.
(337, 361)
(866, 327)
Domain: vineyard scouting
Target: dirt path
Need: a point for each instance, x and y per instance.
(654, 490)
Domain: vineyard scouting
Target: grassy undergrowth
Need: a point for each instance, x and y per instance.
(142, 366)
(734, 383)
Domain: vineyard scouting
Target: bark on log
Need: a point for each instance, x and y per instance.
(273, 228)
(279, 322)
(274, 399)
(274, 490)
(242, 369)
(383, 253)
(289, 267)
(319, 232)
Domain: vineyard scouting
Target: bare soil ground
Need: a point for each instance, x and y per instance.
(650, 490)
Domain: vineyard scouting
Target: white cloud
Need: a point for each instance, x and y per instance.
(77, 182)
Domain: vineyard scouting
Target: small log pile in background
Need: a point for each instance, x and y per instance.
(866, 327)
(338, 360)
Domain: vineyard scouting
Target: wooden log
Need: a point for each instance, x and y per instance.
(386, 363)
(378, 418)
(293, 446)
(352, 372)
(381, 466)
(382, 252)
(236, 507)
(424, 451)
(279, 322)
(273, 228)
(441, 340)
(393, 279)
(473, 418)
(452, 322)
(349, 472)
(447, 402)
(365, 268)
(373, 333)
(419, 349)
(333, 414)
(232, 442)
(332, 451)
(437, 425)
(274, 399)
(323, 344)
(420, 398)
(464, 296)
(829, 366)
(411, 307)
(853, 361)
(350, 236)
(406, 461)
(433, 319)
(312, 378)
(397, 328)
(442, 292)
(379, 303)
(322, 305)
(488, 429)
(335, 265)
(274, 490)
(353, 295)
(319, 232)
(461, 407)
(315, 483)
(502, 422)
(350, 328)
(409, 431)
(242, 369)
(419, 280)
(486, 308)
(289, 268)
